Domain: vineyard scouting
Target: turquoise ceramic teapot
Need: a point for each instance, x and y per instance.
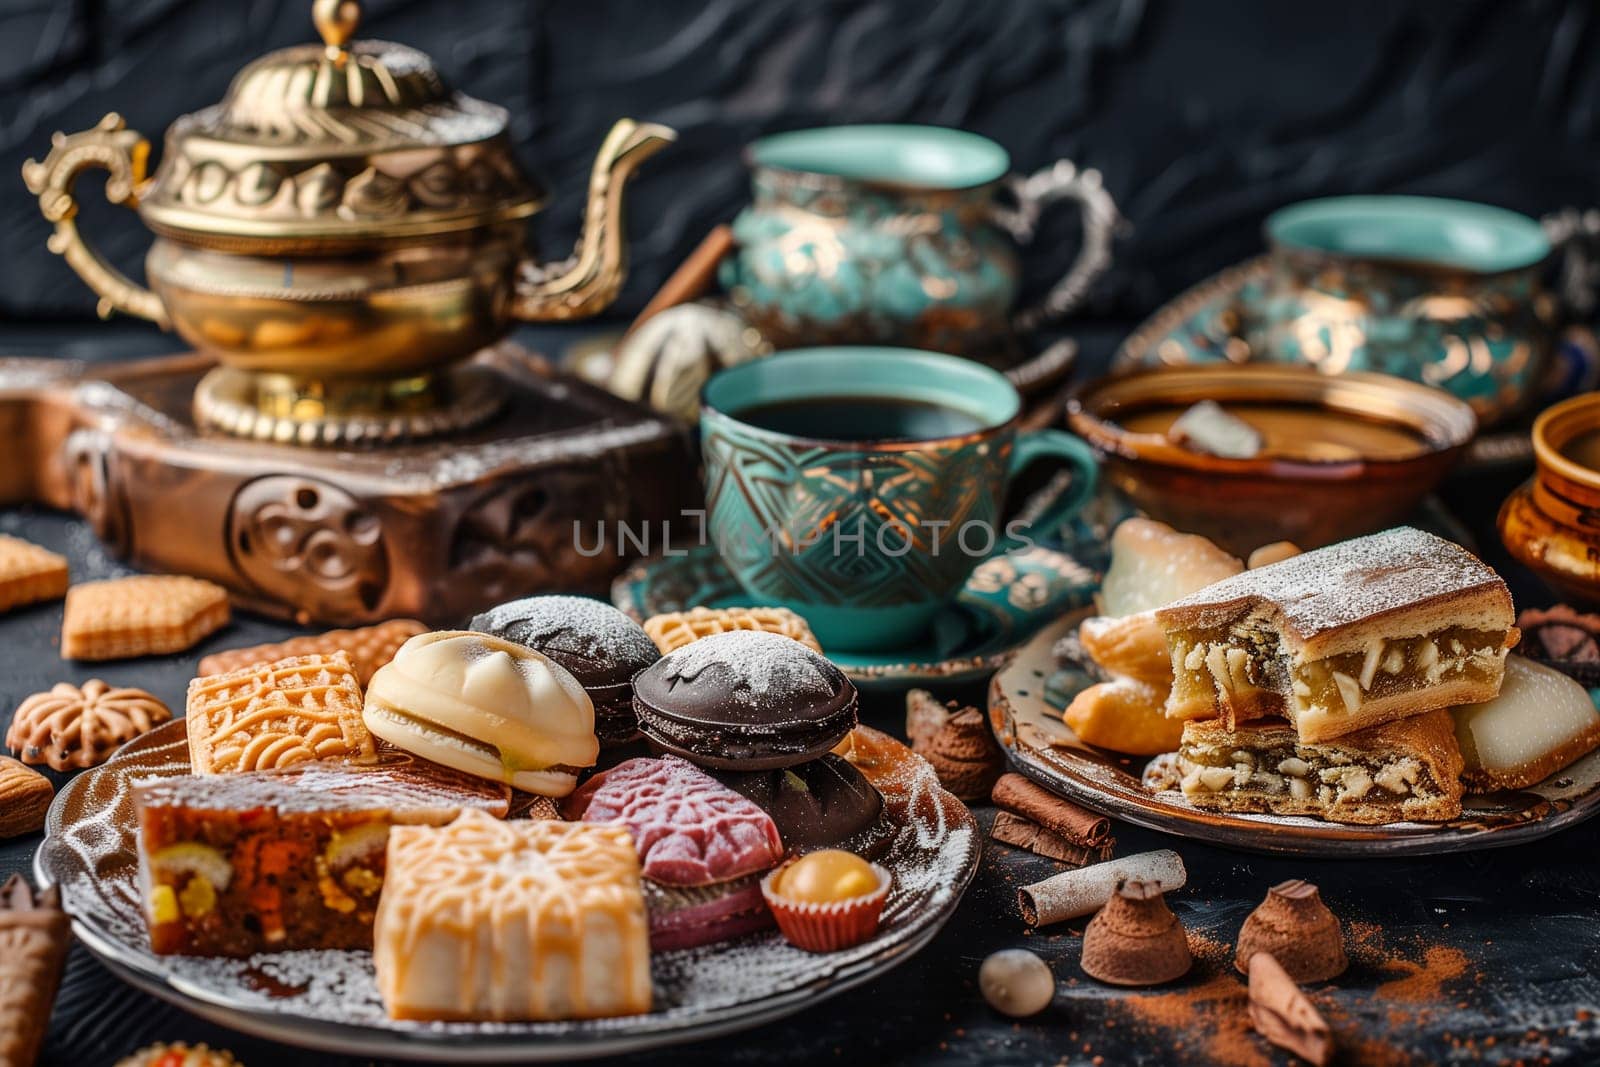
(898, 235)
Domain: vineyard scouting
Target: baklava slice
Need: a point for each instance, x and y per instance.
(1406, 771)
(1343, 638)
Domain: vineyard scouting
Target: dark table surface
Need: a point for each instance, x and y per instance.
(1487, 957)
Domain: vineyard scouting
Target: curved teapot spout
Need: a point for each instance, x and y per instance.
(588, 282)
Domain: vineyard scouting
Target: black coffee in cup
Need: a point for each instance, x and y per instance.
(861, 418)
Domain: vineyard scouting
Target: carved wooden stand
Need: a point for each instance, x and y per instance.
(437, 529)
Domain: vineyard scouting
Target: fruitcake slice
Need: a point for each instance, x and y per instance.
(235, 864)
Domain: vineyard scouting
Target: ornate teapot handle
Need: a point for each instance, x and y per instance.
(123, 152)
(1101, 222)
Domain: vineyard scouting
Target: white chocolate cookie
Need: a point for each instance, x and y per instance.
(486, 706)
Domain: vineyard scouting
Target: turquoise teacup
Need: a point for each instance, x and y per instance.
(1444, 292)
(860, 486)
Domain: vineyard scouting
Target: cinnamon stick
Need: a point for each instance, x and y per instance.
(692, 278)
(1084, 828)
(1284, 1015)
(1012, 829)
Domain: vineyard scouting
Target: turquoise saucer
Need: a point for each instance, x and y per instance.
(1004, 603)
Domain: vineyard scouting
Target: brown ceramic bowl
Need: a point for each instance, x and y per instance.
(1552, 523)
(1244, 503)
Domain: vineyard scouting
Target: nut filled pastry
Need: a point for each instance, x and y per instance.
(1343, 638)
(1400, 771)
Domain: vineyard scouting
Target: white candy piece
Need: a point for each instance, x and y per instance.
(1541, 722)
(1207, 428)
(1017, 983)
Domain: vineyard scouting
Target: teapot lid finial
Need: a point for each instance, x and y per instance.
(336, 20)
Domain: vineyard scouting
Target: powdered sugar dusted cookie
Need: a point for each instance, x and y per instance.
(745, 700)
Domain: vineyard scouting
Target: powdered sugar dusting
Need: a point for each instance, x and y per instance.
(90, 853)
(576, 626)
(1349, 582)
(766, 665)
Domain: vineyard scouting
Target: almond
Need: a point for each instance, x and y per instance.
(24, 798)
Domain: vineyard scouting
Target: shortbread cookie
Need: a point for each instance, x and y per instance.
(1342, 638)
(70, 728)
(676, 629)
(28, 573)
(1541, 722)
(490, 920)
(369, 648)
(276, 715)
(1408, 770)
(140, 616)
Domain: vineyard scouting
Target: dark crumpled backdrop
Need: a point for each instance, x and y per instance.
(1202, 116)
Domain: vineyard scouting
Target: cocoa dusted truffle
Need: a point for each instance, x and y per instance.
(1135, 940)
(1296, 928)
(744, 701)
(600, 646)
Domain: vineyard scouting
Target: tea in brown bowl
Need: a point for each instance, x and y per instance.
(1551, 524)
(1334, 457)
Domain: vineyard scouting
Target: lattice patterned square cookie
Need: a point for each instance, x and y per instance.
(276, 715)
(140, 616)
(29, 573)
(675, 629)
(485, 919)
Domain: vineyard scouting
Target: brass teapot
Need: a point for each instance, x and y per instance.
(340, 232)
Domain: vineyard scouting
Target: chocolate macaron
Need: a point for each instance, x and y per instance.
(598, 645)
(744, 701)
(823, 803)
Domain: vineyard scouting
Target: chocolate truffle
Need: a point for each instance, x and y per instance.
(744, 701)
(1296, 928)
(1135, 939)
(596, 643)
(824, 803)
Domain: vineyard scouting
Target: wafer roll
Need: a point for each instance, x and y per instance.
(1071, 894)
